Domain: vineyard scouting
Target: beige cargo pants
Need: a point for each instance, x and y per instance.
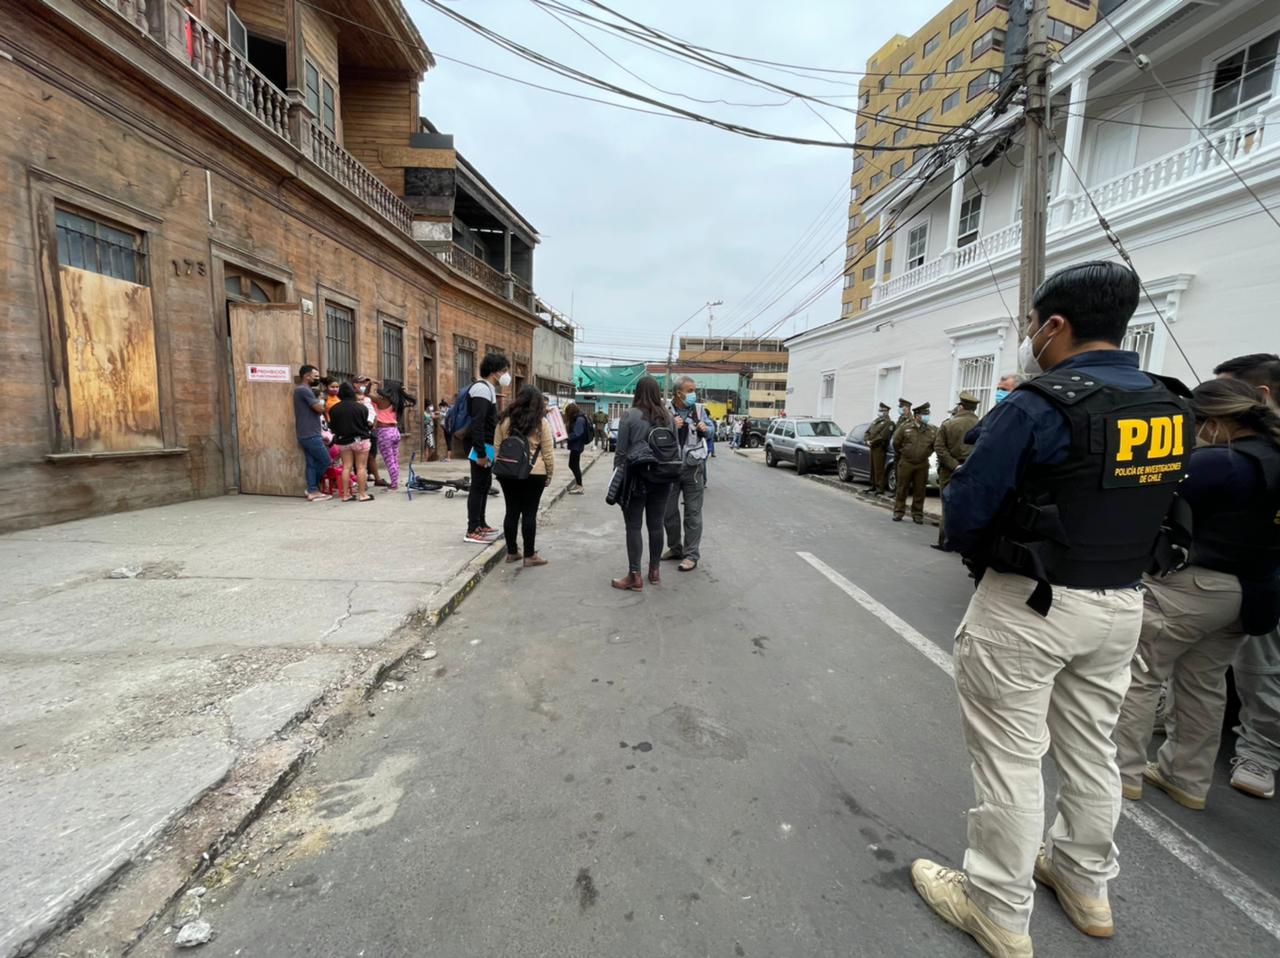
(1190, 633)
(1029, 685)
(1257, 669)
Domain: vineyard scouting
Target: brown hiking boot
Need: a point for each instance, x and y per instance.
(629, 582)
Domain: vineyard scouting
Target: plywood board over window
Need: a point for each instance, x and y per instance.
(111, 362)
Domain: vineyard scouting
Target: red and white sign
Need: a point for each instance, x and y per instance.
(258, 373)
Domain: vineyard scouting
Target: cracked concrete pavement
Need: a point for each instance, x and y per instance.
(125, 699)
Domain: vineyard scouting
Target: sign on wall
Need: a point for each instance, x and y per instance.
(258, 373)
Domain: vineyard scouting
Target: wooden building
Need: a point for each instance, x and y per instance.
(197, 197)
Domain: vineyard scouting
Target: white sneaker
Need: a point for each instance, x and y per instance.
(945, 891)
(1252, 778)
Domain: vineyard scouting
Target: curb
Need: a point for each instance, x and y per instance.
(850, 489)
(327, 715)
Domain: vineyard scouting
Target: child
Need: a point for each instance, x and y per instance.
(331, 482)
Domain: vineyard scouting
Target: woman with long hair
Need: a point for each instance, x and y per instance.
(349, 421)
(1195, 619)
(644, 503)
(575, 420)
(526, 417)
(389, 402)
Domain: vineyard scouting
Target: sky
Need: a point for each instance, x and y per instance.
(645, 219)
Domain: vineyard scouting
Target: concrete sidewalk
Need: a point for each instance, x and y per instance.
(932, 503)
(147, 657)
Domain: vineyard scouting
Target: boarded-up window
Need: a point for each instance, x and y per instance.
(339, 341)
(110, 338)
(111, 362)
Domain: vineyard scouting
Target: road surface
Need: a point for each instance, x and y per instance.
(742, 761)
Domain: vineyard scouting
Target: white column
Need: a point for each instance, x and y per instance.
(957, 199)
(1074, 140)
(880, 250)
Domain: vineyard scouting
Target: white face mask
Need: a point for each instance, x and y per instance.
(504, 380)
(1028, 357)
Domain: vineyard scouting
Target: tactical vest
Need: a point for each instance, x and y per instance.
(1243, 538)
(1091, 521)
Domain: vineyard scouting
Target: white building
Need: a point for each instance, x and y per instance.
(1206, 250)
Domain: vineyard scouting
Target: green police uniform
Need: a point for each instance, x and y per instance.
(950, 446)
(912, 443)
(878, 436)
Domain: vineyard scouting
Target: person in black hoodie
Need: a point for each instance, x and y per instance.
(482, 405)
(349, 421)
(1196, 619)
(575, 421)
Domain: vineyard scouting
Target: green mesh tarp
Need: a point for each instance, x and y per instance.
(607, 379)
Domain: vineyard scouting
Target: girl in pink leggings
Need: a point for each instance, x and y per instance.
(389, 402)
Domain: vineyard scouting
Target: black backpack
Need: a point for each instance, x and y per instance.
(590, 432)
(663, 463)
(512, 460)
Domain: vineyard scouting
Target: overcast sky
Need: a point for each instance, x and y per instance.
(643, 218)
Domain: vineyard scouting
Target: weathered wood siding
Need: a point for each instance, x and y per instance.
(263, 17)
(380, 112)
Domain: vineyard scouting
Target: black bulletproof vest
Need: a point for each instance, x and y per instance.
(1243, 537)
(1091, 521)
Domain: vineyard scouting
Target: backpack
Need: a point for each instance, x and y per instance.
(590, 432)
(663, 462)
(512, 460)
(458, 418)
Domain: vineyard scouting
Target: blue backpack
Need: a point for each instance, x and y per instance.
(458, 419)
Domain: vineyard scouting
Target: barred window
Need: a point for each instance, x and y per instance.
(339, 341)
(392, 352)
(90, 244)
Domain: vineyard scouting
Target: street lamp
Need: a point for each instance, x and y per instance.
(671, 345)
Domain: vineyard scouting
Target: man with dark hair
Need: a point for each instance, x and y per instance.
(1056, 511)
(482, 404)
(307, 407)
(1257, 664)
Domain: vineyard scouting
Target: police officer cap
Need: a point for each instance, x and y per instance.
(968, 400)
(922, 409)
(904, 402)
(884, 407)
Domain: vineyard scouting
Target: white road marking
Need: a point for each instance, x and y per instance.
(1257, 904)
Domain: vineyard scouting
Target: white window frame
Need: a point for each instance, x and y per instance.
(827, 404)
(1166, 292)
(914, 259)
(1131, 125)
(882, 374)
(976, 340)
(961, 232)
(1209, 66)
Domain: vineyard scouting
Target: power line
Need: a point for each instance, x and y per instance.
(1138, 63)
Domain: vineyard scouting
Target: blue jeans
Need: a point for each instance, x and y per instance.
(317, 455)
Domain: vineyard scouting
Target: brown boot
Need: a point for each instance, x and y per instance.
(655, 575)
(631, 581)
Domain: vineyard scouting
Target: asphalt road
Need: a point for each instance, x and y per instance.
(742, 761)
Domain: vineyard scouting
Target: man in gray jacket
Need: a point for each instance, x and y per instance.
(692, 426)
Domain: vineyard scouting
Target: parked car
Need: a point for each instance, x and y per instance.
(854, 462)
(809, 443)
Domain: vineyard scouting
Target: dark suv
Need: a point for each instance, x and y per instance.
(855, 460)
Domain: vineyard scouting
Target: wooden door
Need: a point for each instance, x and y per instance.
(266, 351)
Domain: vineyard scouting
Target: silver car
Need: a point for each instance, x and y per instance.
(809, 443)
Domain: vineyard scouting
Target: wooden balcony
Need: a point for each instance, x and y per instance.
(356, 177)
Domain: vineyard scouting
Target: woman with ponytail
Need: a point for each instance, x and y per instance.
(1196, 618)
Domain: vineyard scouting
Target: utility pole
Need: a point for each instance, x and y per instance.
(711, 314)
(1034, 172)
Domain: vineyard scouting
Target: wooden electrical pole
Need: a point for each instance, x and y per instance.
(1035, 173)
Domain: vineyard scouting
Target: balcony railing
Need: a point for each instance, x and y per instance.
(473, 266)
(212, 58)
(1236, 143)
(355, 176)
(1175, 170)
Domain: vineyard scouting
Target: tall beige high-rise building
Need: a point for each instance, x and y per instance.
(915, 87)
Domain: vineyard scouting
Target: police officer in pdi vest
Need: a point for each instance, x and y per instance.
(1056, 511)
